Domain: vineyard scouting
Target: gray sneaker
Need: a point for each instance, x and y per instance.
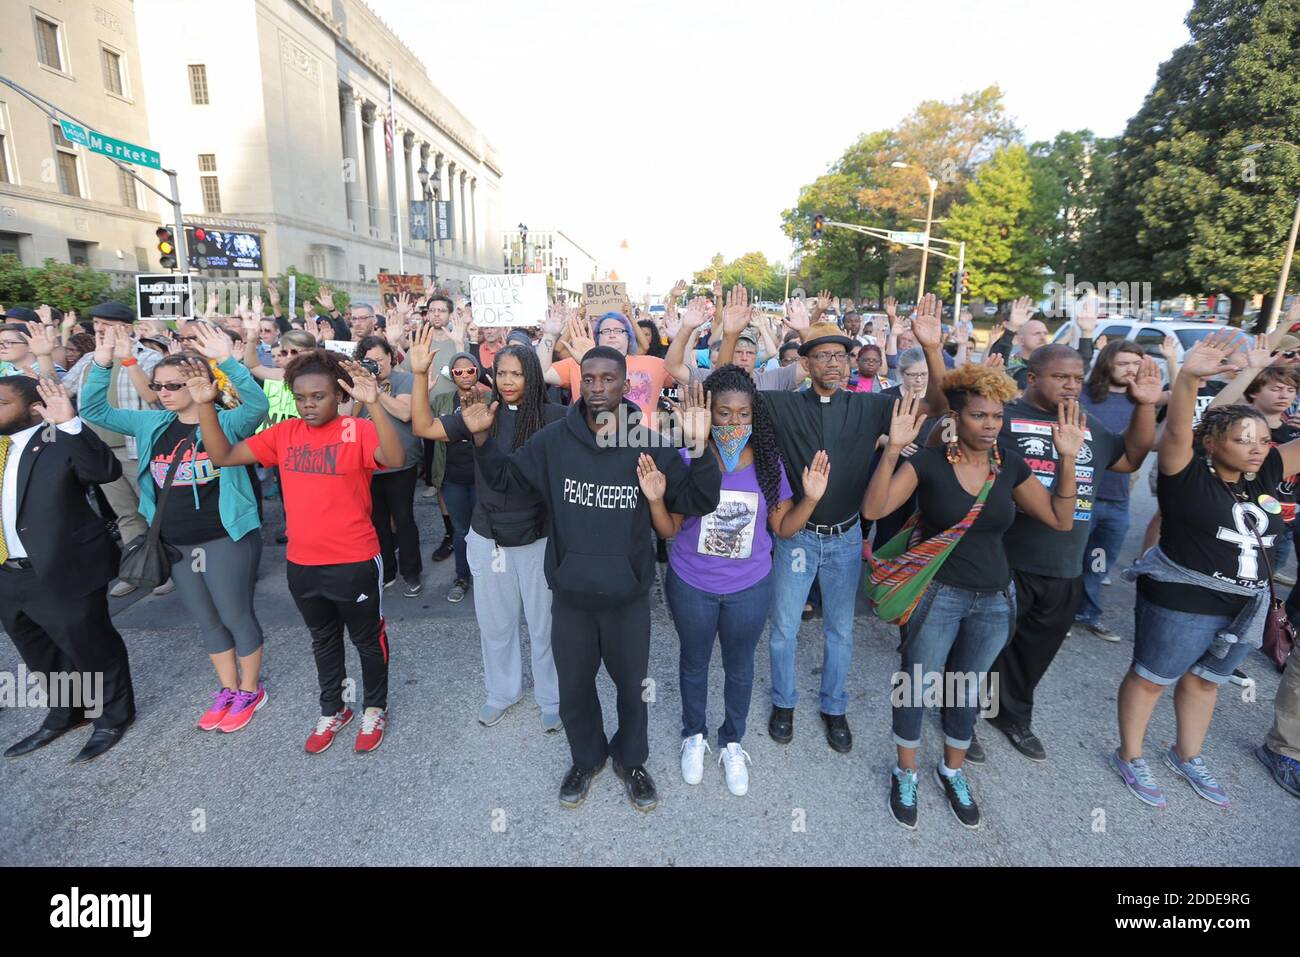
(488, 715)
(1199, 777)
(121, 590)
(458, 590)
(1137, 776)
(1285, 771)
(1097, 630)
(551, 723)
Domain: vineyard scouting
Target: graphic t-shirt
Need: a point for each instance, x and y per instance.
(325, 473)
(979, 561)
(646, 378)
(1211, 528)
(1286, 488)
(730, 549)
(1031, 546)
(192, 513)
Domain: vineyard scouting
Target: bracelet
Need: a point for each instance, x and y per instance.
(126, 363)
(1074, 494)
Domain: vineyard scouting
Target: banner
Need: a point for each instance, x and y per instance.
(164, 296)
(419, 219)
(443, 220)
(392, 284)
(508, 300)
(603, 297)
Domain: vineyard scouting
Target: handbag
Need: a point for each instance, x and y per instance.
(516, 528)
(902, 570)
(147, 560)
(1279, 633)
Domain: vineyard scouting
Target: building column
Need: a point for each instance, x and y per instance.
(361, 191)
(464, 217)
(473, 213)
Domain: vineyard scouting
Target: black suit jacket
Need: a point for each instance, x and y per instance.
(68, 544)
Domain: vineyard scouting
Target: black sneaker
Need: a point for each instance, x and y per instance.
(902, 798)
(975, 753)
(1239, 677)
(414, 588)
(576, 784)
(1022, 739)
(444, 550)
(459, 588)
(781, 725)
(838, 735)
(640, 787)
(962, 802)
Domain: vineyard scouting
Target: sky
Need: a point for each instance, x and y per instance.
(685, 128)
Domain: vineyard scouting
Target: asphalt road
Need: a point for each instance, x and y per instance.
(444, 790)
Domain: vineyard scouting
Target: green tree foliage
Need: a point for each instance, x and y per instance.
(1188, 210)
(66, 286)
(752, 270)
(995, 218)
(306, 287)
(15, 281)
(1070, 176)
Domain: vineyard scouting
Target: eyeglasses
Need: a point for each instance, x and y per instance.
(6, 343)
(613, 331)
(829, 356)
(916, 375)
(167, 386)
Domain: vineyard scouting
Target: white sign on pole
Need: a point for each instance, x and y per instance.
(518, 299)
(344, 348)
(293, 295)
(899, 237)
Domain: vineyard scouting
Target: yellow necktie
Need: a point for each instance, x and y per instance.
(5, 442)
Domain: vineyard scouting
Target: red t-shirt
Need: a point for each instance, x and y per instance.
(325, 473)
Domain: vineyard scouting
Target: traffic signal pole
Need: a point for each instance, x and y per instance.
(961, 267)
(182, 248)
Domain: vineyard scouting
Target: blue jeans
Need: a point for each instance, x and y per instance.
(1109, 527)
(736, 621)
(1167, 644)
(837, 561)
(460, 501)
(953, 645)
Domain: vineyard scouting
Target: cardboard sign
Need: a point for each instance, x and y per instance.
(164, 296)
(518, 299)
(344, 348)
(603, 297)
(391, 285)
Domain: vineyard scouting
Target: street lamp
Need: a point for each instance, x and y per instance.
(929, 221)
(1276, 306)
(429, 196)
(523, 248)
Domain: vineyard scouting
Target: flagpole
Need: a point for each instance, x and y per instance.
(392, 171)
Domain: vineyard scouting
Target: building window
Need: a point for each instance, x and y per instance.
(211, 194)
(65, 155)
(114, 75)
(9, 244)
(49, 46)
(79, 252)
(362, 268)
(141, 259)
(127, 187)
(198, 84)
(207, 162)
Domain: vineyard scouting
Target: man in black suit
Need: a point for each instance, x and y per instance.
(56, 560)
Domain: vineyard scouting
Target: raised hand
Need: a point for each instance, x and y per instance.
(105, 338)
(273, 291)
(65, 327)
(891, 309)
(252, 326)
(326, 298)
(823, 301)
(926, 324)
(1261, 355)
(994, 360)
(421, 351)
(55, 406)
(735, 316)
(579, 338)
(212, 343)
(364, 388)
(696, 410)
(556, 315)
(1211, 355)
(1169, 349)
(796, 315)
(211, 309)
(1147, 388)
(1085, 316)
(123, 343)
(308, 312)
(478, 417)
(696, 314)
(1022, 310)
(816, 476)
(653, 482)
(1068, 429)
(905, 424)
(1100, 343)
(40, 342)
(199, 384)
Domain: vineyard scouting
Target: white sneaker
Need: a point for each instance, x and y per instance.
(121, 590)
(693, 749)
(166, 588)
(733, 759)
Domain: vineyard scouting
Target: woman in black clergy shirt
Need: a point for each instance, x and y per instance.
(1202, 591)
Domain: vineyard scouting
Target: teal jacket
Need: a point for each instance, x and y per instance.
(238, 504)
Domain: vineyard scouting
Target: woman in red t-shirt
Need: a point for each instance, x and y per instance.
(335, 572)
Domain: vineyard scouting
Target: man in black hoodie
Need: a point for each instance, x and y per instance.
(600, 559)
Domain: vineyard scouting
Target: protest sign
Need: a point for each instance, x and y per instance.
(518, 299)
(392, 284)
(603, 297)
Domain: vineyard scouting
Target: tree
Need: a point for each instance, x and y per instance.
(1188, 209)
(1004, 254)
(66, 286)
(1070, 176)
(306, 287)
(15, 281)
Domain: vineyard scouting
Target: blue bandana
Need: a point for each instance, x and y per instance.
(731, 441)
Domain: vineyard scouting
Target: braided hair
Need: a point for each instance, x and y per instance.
(532, 412)
(1217, 421)
(767, 454)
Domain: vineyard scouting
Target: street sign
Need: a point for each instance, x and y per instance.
(164, 296)
(419, 219)
(107, 146)
(898, 237)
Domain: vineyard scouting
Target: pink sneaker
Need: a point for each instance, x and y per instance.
(241, 712)
(221, 703)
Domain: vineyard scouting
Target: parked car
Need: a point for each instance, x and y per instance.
(1150, 335)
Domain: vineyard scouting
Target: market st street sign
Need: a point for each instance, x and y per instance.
(107, 146)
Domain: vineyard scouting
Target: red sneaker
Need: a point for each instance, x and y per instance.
(221, 703)
(372, 729)
(241, 712)
(328, 726)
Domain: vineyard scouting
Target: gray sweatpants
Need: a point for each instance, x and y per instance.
(506, 581)
(215, 581)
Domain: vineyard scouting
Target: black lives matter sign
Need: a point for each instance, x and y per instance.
(164, 296)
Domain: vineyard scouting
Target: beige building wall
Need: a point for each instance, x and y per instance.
(110, 223)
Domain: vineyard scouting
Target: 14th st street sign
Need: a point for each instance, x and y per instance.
(107, 146)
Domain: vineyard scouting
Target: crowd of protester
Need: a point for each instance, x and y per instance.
(766, 469)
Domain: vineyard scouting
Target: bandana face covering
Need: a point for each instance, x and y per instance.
(731, 441)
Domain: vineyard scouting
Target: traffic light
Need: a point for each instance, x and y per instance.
(199, 246)
(819, 226)
(166, 248)
(965, 282)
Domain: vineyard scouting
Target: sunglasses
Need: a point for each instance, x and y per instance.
(463, 372)
(167, 386)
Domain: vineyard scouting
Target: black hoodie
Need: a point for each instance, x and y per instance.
(599, 550)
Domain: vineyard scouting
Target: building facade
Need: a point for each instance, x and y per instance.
(549, 251)
(57, 199)
(273, 113)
